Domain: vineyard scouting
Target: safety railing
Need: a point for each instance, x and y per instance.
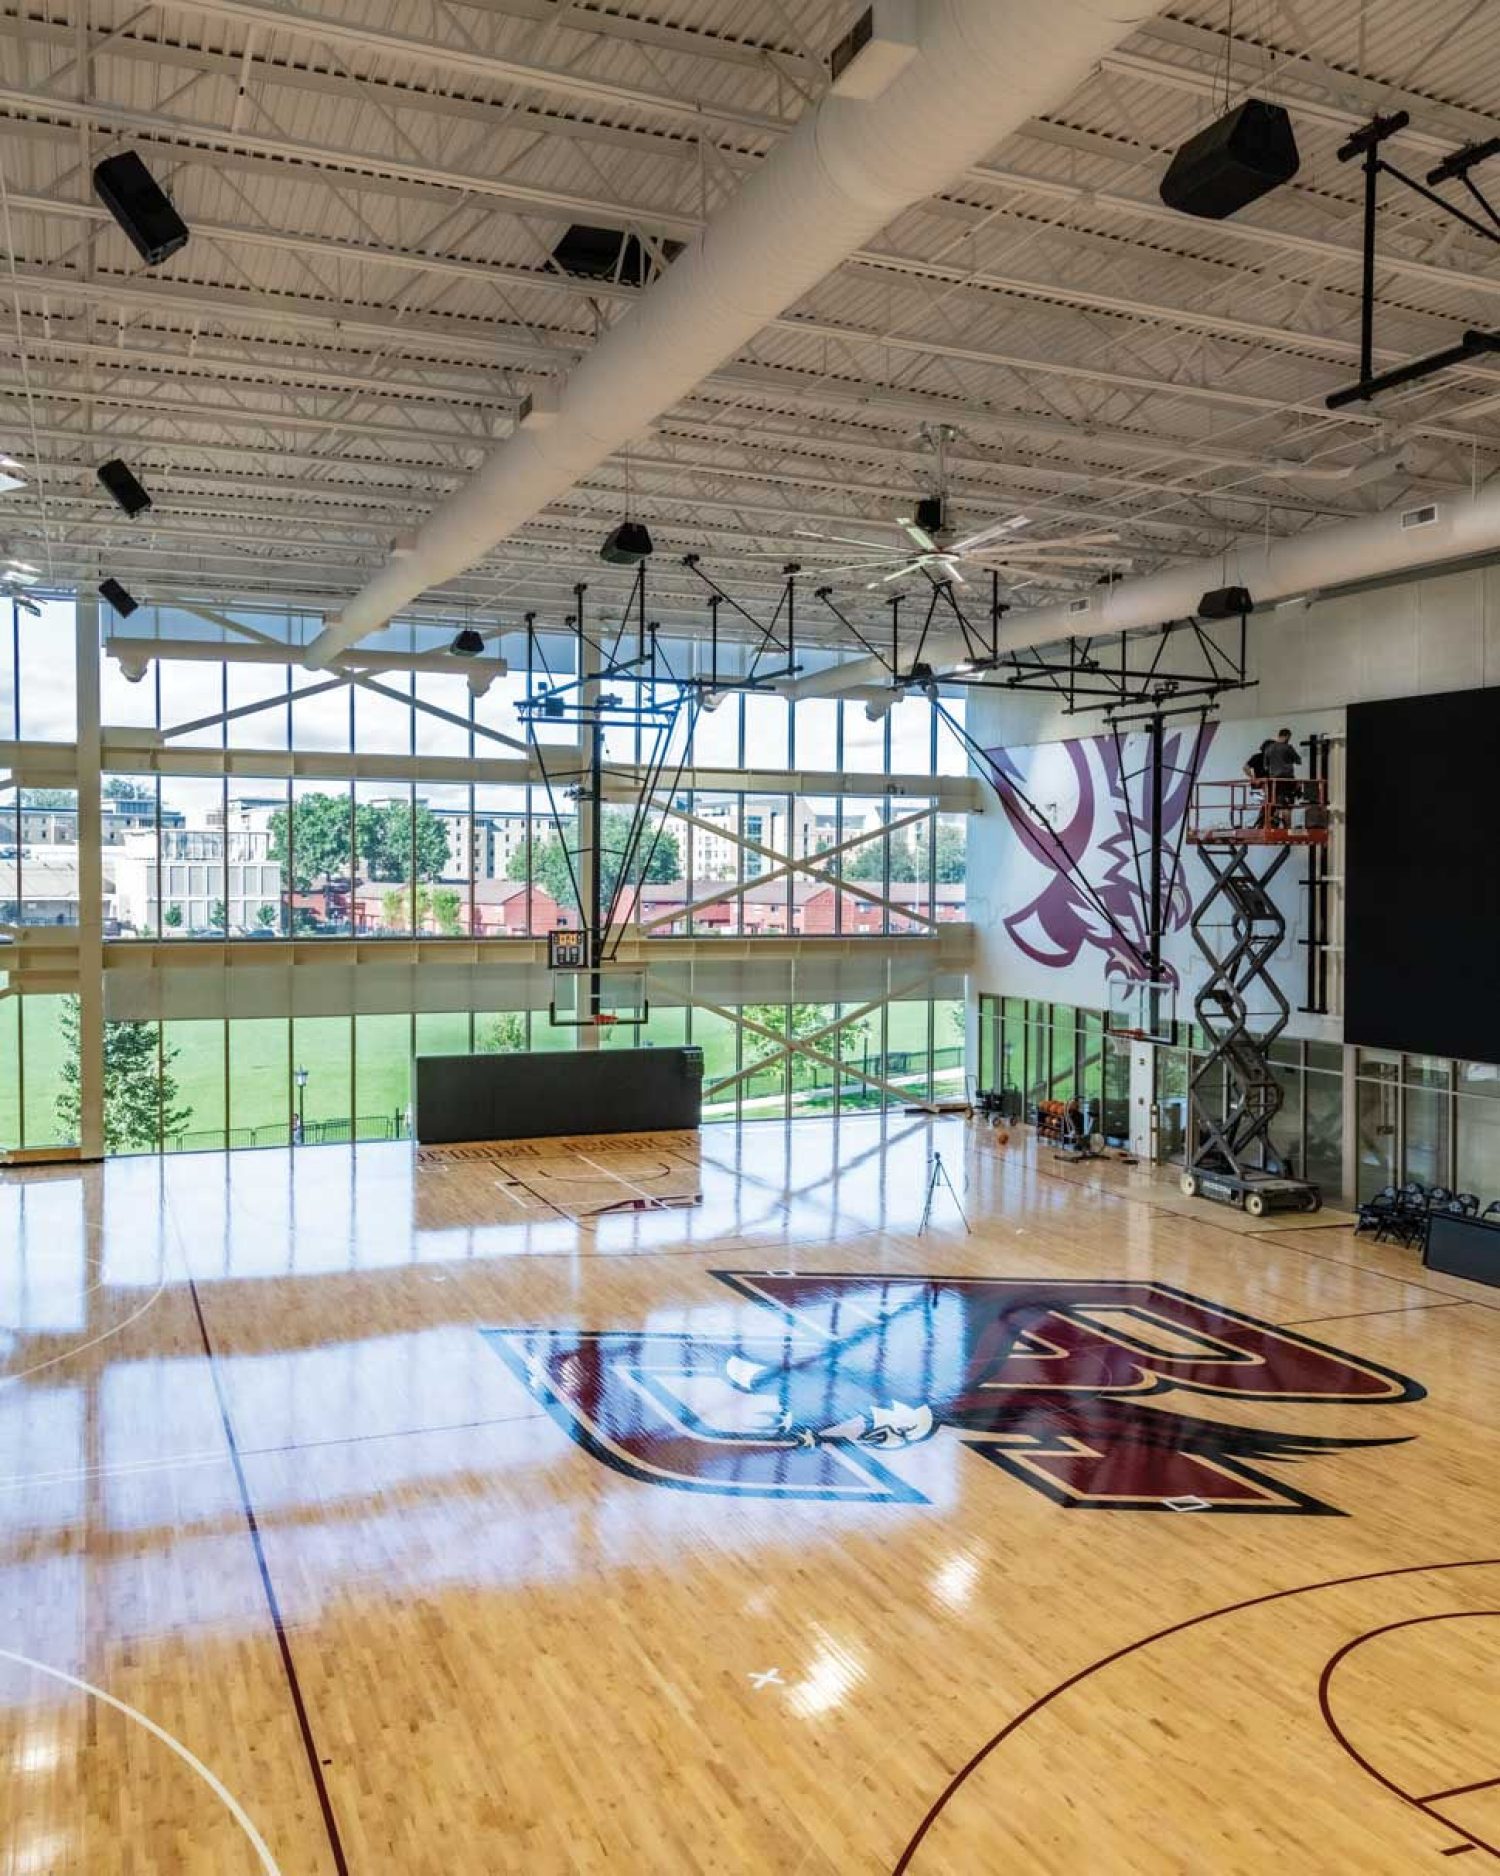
(1278, 812)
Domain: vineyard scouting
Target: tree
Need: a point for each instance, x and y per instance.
(140, 1092)
(867, 863)
(319, 826)
(806, 1019)
(445, 911)
(503, 1034)
(387, 835)
(546, 861)
(384, 833)
(442, 904)
(125, 788)
(218, 915)
(172, 917)
(266, 916)
(61, 798)
(952, 853)
(909, 856)
(657, 858)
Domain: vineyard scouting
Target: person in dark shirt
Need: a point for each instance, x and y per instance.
(1254, 772)
(1281, 759)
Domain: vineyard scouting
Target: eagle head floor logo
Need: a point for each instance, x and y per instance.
(1060, 1383)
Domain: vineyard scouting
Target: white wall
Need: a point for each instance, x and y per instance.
(1310, 661)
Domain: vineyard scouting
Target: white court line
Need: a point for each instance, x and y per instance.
(9, 1380)
(640, 1191)
(123, 1468)
(190, 1759)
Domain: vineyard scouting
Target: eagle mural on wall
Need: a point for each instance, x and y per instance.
(1099, 831)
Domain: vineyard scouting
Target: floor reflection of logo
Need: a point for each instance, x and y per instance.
(1056, 1382)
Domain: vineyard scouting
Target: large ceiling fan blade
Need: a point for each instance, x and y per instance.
(971, 541)
(896, 573)
(1099, 562)
(919, 537)
(1099, 538)
(849, 540)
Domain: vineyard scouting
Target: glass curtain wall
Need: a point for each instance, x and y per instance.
(229, 848)
(1034, 1051)
(1422, 1117)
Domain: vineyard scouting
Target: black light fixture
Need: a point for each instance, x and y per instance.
(123, 486)
(124, 603)
(1233, 161)
(139, 204)
(627, 544)
(467, 644)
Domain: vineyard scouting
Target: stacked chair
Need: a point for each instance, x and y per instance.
(1399, 1214)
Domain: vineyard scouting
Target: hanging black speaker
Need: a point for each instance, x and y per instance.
(123, 486)
(627, 544)
(132, 195)
(1226, 602)
(1244, 155)
(124, 603)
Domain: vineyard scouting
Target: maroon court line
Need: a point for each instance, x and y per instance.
(1459, 1791)
(961, 1776)
(1325, 1701)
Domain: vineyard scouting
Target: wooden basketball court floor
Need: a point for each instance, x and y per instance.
(373, 1511)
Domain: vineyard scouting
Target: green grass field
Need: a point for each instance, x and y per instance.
(362, 1070)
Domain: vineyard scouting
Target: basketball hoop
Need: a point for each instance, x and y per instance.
(1141, 1010)
(603, 1021)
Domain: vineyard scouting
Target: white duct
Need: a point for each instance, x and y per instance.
(981, 69)
(1403, 540)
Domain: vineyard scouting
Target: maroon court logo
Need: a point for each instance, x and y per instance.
(1103, 1395)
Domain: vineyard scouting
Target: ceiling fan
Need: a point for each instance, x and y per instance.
(930, 549)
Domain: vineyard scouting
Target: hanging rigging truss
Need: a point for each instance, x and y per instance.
(1366, 144)
(1170, 663)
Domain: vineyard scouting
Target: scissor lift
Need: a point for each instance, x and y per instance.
(1245, 832)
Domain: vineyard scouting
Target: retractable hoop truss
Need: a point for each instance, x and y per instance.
(652, 702)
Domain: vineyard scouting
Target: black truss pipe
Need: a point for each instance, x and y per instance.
(1472, 345)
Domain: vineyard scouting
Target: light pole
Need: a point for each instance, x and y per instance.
(299, 1075)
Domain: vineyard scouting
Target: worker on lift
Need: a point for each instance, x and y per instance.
(1281, 759)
